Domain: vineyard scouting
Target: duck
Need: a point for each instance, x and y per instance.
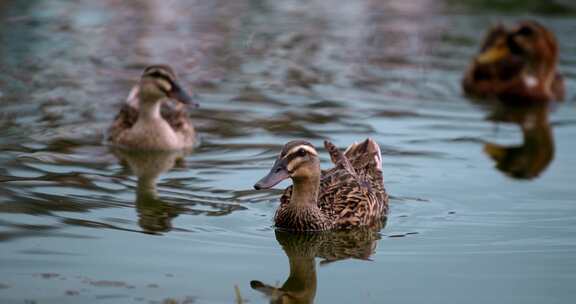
(349, 195)
(148, 121)
(516, 64)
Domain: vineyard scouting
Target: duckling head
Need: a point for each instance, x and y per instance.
(298, 161)
(159, 82)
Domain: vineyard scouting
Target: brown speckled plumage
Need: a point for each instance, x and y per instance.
(351, 194)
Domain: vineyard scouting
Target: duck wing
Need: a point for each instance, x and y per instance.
(339, 159)
(353, 191)
(176, 116)
(342, 194)
(364, 156)
(124, 120)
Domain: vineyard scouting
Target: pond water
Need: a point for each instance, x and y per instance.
(482, 206)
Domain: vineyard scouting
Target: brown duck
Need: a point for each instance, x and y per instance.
(147, 121)
(516, 64)
(349, 195)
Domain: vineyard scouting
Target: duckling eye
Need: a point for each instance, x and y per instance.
(301, 152)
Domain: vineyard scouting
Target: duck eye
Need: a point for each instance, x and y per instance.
(157, 74)
(301, 152)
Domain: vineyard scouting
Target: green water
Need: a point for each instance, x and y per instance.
(81, 223)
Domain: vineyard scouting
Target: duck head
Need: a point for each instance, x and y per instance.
(298, 161)
(159, 82)
(528, 41)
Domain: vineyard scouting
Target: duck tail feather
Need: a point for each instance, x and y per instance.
(361, 150)
(377, 152)
(337, 157)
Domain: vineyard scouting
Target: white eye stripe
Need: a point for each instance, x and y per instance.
(304, 147)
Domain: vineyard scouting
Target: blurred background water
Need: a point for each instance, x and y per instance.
(482, 205)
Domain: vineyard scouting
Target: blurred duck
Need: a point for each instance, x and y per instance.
(147, 121)
(349, 195)
(516, 64)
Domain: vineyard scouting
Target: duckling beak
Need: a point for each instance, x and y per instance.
(277, 174)
(492, 55)
(181, 95)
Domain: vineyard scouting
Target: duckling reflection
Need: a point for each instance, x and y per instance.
(155, 215)
(532, 157)
(303, 248)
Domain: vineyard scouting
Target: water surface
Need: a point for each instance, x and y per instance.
(482, 205)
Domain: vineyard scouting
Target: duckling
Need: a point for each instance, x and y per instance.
(517, 65)
(349, 195)
(147, 122)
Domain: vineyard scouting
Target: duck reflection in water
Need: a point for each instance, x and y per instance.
(155, 215)
(532, 157)
(302, 248)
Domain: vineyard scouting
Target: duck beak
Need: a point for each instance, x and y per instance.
(181, 95)
(492, 55)
(277, 174)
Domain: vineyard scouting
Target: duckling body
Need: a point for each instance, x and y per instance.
(349, 195)
(516, 64)
(147, 121)
(170, 130)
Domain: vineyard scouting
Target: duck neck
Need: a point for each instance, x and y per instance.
(305, 192)
(149, 108)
